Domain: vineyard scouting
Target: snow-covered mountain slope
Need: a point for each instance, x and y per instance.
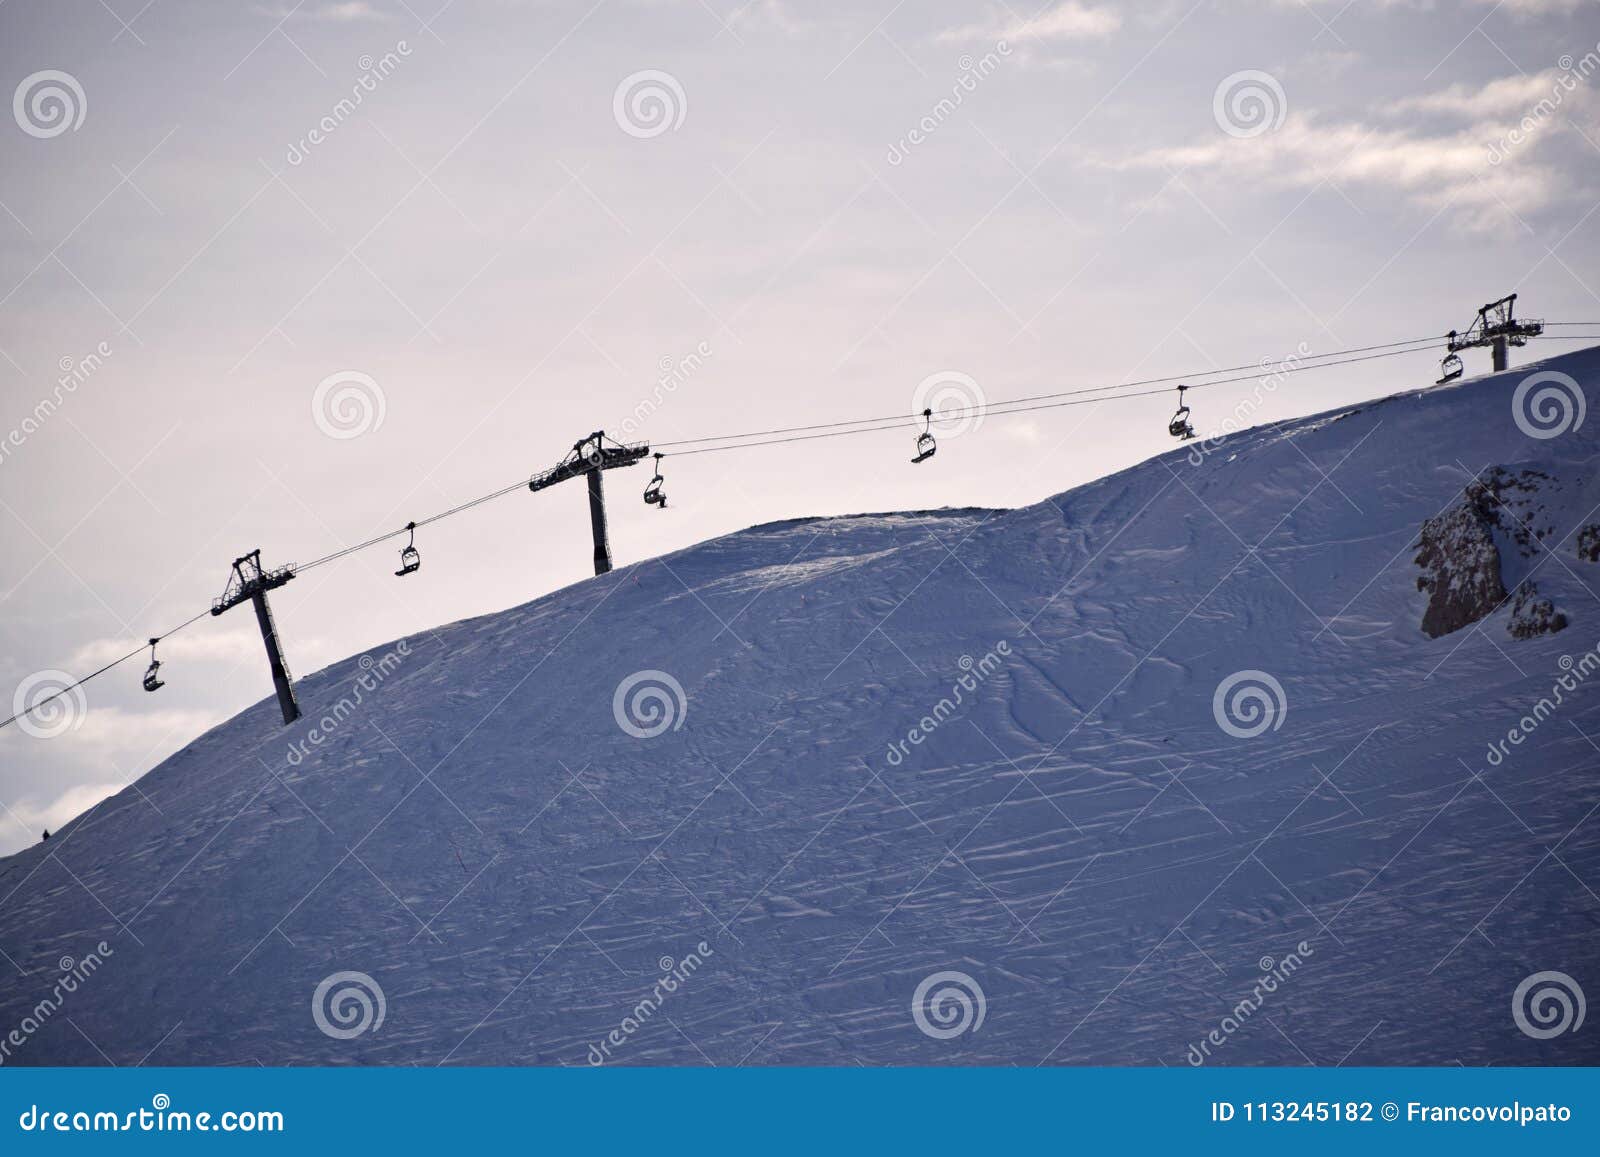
(906, 744)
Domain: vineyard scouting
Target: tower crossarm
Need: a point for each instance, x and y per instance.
(249, 579)
(591, 453)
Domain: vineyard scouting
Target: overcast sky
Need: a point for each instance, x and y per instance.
(322, 269)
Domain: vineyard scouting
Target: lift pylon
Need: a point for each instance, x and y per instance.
(250, 583)
(589, 458)
(1496, 327)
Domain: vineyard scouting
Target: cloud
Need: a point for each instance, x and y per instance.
(27, 820)
(203, 646)
(343, 12)
(1508, 98)
(1518, 7)
(129, 739)
(1535, 7)
(1067, 21)
(1328, 64)
(1484, 163)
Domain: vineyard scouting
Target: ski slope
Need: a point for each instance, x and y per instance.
(1078, 835)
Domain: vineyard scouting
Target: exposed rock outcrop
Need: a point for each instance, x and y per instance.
(1485, 539)
(1532, 614)
(1589, 543)
(1460, 567)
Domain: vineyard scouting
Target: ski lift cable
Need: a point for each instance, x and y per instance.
(840, 429)
(73, 686)
(421, 522)
(1013, 406)
(1421, 342)
(1006, 406)
(886, 422)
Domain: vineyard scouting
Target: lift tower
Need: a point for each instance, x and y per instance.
(590, 457)
(1497, 328)
(249, 583)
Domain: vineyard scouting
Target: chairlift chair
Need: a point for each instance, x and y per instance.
(410, 557)
(1179, 426)
(152, 680)
(1450, 369)
(925, 443)
(653, 494)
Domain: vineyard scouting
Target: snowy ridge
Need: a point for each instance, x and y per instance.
(1079, 835)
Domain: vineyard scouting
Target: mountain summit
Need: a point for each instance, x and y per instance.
(1277, 749)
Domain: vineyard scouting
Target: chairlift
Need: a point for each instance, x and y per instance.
(1450, 369)
(653, 494)
(152, 679)
(410, 557)
(925, 443)
(1179, 426)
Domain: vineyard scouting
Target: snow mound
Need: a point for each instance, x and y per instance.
(1163, 770)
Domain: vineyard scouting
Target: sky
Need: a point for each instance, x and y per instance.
(289, 275)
